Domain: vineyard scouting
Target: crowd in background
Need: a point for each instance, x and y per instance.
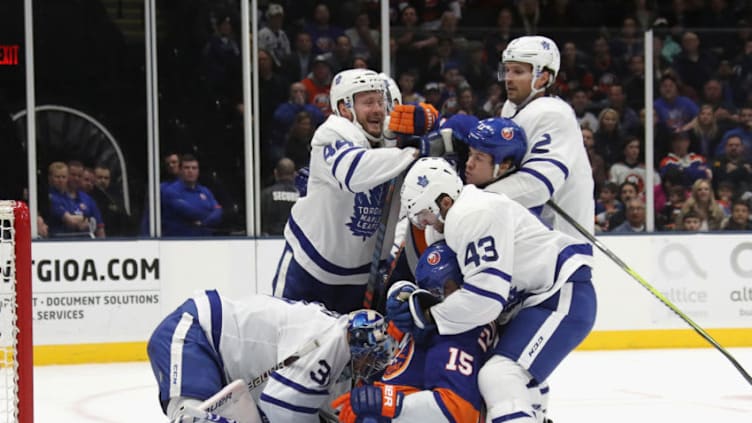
(445, 52)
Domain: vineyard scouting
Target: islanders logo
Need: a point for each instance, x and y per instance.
(434, 258)
(401, 360)
(507, 133)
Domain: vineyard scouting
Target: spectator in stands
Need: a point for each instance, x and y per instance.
(87, 181)
(72, 212)
(674, 111)
(604, 68)
(580, 102)
(635, 217)
(733, 167)
(631, 167)
(341, 57)
(717, 14)
(702, 201)
(189, 208)
(442, 58)
(297, 102)
(406, 82)
(667, 217)
(113, 212)
(360, 62)
(693, 166)
(627, 191)
(298, 141)
(608, 137)
(365, 40)
(468, 105)
(629, 120)
(606, 206)
(628, 43)
(170, 167)
(671, 178)
(529, 13)
(661, 137)
(597, 164)
(690, 222)
(273, 37)
(743, 131)
(494, 99)
(705, 132)
(222, 61)
(318, 83)
(739, 219)
(414, 45)
(720, 99)
(724, 193)
(323, 32)
(574, 73)
(504, 32)
(432, 92)
(476, 71)
(277, 200)
(693, 65)
(634, 82)
(298, 63)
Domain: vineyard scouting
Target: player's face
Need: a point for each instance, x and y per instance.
(517, 79)
(370, 111)
(479, 167)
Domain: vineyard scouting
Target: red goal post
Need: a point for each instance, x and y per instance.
(16, 344)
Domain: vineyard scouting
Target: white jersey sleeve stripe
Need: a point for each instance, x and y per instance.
(557, 163)
(485, 293)
(340, 156)
(540, 177)
(176, 353)
(317, 258)
(292, 407)
(298, 387)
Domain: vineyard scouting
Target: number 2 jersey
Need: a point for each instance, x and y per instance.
(508, 258)
(440, 378)
(555, 165)
(332, 229)
(210, 341)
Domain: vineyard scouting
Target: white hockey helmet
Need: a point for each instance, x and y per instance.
(350, 82)
(428, 179)
(392, 92)
(536, 50)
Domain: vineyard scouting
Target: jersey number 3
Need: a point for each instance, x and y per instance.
(484, 249)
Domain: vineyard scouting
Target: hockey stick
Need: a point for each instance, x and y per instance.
(373, 272)
(650, 288)
(305, 349)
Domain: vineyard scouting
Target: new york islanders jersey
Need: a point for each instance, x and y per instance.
(555, 164)
(210, 341)
(331, 230)
(440, 379)
(508, 259)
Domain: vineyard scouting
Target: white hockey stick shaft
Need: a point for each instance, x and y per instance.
(305, 349)
(206, 416)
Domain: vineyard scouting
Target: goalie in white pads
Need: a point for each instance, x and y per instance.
(209, 342)
(535, 281)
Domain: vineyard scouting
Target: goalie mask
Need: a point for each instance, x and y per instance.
(371, 347)
(428, 179)
(502, 139)
(437, 271)
(348, 83)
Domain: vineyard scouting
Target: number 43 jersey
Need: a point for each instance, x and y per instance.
(508, 258)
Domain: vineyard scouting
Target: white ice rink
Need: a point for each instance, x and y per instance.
(645, 386)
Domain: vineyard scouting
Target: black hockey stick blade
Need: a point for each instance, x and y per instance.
(374, 287)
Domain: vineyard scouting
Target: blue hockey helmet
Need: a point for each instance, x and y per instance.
(371, 347)
(436, 266)
(501, 138)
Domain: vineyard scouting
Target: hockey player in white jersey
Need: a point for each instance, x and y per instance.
(331, 232)
(210, 341)
(534, 281)
(555, 165)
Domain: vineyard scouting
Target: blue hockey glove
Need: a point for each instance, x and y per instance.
(369, 403)
(301, 181)
(398, 307)
(461, 125)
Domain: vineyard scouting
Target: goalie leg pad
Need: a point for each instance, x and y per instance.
(503, 385)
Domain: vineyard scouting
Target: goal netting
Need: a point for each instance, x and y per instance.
(16, 357)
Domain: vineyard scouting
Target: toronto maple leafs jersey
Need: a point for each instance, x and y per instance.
(243, 340)
(332, 229)
(555, 165)
(508, 258)
(440, 379)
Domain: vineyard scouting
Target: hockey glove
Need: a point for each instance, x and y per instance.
(429, 145)
(461, 125)
(415, 318)
(369, 403)
(398, 307)
(413, 119)
(301, 181)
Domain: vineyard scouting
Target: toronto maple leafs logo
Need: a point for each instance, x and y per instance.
(546, 45)
(367, 212)
(422, 181)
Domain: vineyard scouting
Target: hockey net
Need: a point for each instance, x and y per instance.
(16, 357)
